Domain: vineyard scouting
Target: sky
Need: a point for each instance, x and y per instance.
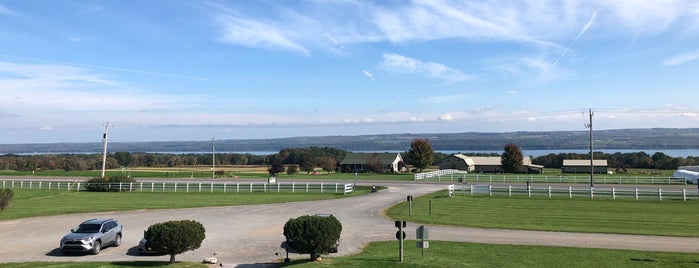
(176, 70)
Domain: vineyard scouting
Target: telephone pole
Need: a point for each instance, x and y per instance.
(213, 159)
(592, 165)
(104, 152)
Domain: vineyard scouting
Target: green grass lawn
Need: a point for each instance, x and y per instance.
(667, 217)
(454, 254)
(120, 264)
(31, 203)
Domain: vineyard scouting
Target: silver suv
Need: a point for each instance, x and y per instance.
(90, 236)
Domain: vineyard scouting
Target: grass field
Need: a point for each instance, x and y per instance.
(667, 217)
(453, 254)
(31, 203)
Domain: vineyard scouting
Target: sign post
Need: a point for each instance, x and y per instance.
(422, 234)
(400, 235)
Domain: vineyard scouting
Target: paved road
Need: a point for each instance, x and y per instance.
(249, 236)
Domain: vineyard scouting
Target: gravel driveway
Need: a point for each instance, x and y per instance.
(250, 236)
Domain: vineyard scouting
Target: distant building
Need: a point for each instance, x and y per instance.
(583, 166)
(359, 162)
(485, 164)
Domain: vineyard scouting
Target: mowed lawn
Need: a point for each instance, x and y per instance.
(628, 216)
(455, 254)
(32, 203)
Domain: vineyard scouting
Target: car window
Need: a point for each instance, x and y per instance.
(88, 228)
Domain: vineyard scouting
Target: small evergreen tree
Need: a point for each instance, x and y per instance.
(175, 237)
(315, 235)
(6, 195)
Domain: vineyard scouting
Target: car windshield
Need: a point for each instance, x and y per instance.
(87, 228)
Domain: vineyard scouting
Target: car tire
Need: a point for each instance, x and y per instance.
(96, 248)
(117, 240)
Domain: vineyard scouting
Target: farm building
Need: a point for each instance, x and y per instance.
(583, 166)
(484, 164)
(389, 162)
(690, 174)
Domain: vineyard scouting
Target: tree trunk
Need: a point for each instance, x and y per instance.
(172, 258)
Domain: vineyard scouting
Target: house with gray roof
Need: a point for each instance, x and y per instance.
(384, 162)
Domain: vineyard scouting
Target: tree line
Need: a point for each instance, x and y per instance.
(305, 159)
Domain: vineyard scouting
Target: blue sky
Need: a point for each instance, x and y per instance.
(192, 70)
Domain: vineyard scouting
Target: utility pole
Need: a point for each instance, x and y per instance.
(592, 165)
(104, 140)
(213, 159)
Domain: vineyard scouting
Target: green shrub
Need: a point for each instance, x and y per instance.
(315, 235)
(5, 198)
(113, 183)
(175, 237)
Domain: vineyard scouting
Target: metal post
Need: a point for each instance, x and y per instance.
(104, 153)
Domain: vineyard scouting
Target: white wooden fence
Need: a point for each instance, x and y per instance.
(437, 174)
(571, 192)
(187, 186)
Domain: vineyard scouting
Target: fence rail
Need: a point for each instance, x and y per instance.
(513, 178)
(290, 187)
(437, 173)
(571, 192)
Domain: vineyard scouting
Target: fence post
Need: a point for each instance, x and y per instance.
(76, 189)
(224, 187)
(251, 187)
(321, 187)
(237, 187)
(636, 193)
(200, 187)
(613, 193)
(549, 191)
(529, 190)
(21, 187)
(307, 187)
(509, 190)
(660, 194)
(471, 189)
(130, 186)
(592, 193)
(278, 185)
(684, 194)
(140, 188)
(570, 192)
(152, 186)
(163, 187)
(176, 187)
(212, 187)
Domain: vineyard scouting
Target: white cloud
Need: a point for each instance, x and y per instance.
(6, 11)
(446, 98)
(512, 92)
(368, 74)
(681, 58)
(401, 64)
(253, 33)
(446, 117)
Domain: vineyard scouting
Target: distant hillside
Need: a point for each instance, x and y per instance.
(543, 140)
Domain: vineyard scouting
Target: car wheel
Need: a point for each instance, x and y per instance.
(96, 248)
(117, 240)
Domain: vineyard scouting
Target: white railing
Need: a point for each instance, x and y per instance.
(293, 187)
(532, 178)
(586, 192)
(438, 174)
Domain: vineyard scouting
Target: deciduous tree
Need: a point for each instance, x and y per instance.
(512, 159)
(421, 154)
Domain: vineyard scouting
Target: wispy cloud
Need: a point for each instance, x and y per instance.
(242, 31)
(401, 64)
(582, 31)
(446, 98)
(681, 58)
(6, 11)
(370, 75)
